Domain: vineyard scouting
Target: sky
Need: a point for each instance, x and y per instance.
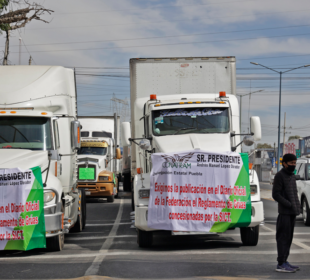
(98, 37)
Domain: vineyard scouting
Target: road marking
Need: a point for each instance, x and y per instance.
(100, 237)
(94, 268)
(103, 225)
(105, 253)
(298, 243)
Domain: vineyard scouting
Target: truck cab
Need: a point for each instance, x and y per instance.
(96, 169)
(174, 118)
(38, 127)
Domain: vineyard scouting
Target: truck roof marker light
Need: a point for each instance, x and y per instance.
(157, 105)
(139, 170)
(43, 113)
(190, 102)
(198, 102)
(222, 94)
(222, 102)
(153, 97)
(2, 112)
(13, 112)
(182, 103)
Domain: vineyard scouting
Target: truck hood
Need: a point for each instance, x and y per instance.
(23, 159)
(185, 142)
(101, 160)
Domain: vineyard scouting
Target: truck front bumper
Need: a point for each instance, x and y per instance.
(98, 189)
(141, 216)
(257, 213)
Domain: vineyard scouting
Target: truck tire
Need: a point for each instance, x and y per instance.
(144, 238)
(127, 183)
(249, 235)
(132, 202)
(78, 226)
(305, 212)
(110, 198)
(83, 203)
(56, 243)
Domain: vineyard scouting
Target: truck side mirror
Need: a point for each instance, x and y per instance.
(256, 128)
(126, 134)
(145, 144)
(118, 153)
(248, 140)
(76, 135)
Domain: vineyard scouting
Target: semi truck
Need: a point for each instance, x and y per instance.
(98, 158)
(180, 86)
(39, 127)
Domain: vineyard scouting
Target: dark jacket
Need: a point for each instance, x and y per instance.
(284, 191)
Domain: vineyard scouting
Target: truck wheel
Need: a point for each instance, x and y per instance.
(132, 202)
(78, 226)
(144, 238)
(249, 235)
(83, 203)
(305, 212)
(110, 198)
(56, 243)
(127, 183)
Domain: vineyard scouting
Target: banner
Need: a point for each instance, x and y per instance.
(199, 191)
(22, 224)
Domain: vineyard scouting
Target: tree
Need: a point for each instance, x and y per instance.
(19, 18)
(263, 146)
(294, 137)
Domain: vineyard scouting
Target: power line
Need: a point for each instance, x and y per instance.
(173, 44)
(170, 36)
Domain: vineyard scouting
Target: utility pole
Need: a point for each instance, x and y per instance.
(284, 134)
(30, 60)
(20, 51)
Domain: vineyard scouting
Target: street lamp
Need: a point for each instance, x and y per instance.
(279, 122)
(241, 102)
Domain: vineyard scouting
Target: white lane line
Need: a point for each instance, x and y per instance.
(100, 237)
(103, 225)
(298, 243)
(94, 268)
(138, 253)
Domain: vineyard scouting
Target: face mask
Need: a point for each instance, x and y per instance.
(291, 168)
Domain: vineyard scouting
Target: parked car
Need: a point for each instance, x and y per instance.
(303, 187)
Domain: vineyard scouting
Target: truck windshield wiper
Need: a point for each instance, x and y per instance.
(184, 128)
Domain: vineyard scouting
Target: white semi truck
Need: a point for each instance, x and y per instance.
(181, 86)
(39, 127)
(98, 157)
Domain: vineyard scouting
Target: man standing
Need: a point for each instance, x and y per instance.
(284, 191)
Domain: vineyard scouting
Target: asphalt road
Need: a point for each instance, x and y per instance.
(107, 248)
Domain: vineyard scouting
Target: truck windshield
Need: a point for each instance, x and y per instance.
(190, 120)
(99, 151)
(33, 133)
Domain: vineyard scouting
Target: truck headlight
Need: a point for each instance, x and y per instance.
(104, 178)
(49, 196)
(253, 189)
(144, 194)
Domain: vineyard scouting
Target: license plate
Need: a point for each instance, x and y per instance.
(87, 193)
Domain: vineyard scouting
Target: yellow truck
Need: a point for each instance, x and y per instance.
(98, 159)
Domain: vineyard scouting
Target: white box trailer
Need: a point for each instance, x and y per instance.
(38, 107)
(174, 84)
